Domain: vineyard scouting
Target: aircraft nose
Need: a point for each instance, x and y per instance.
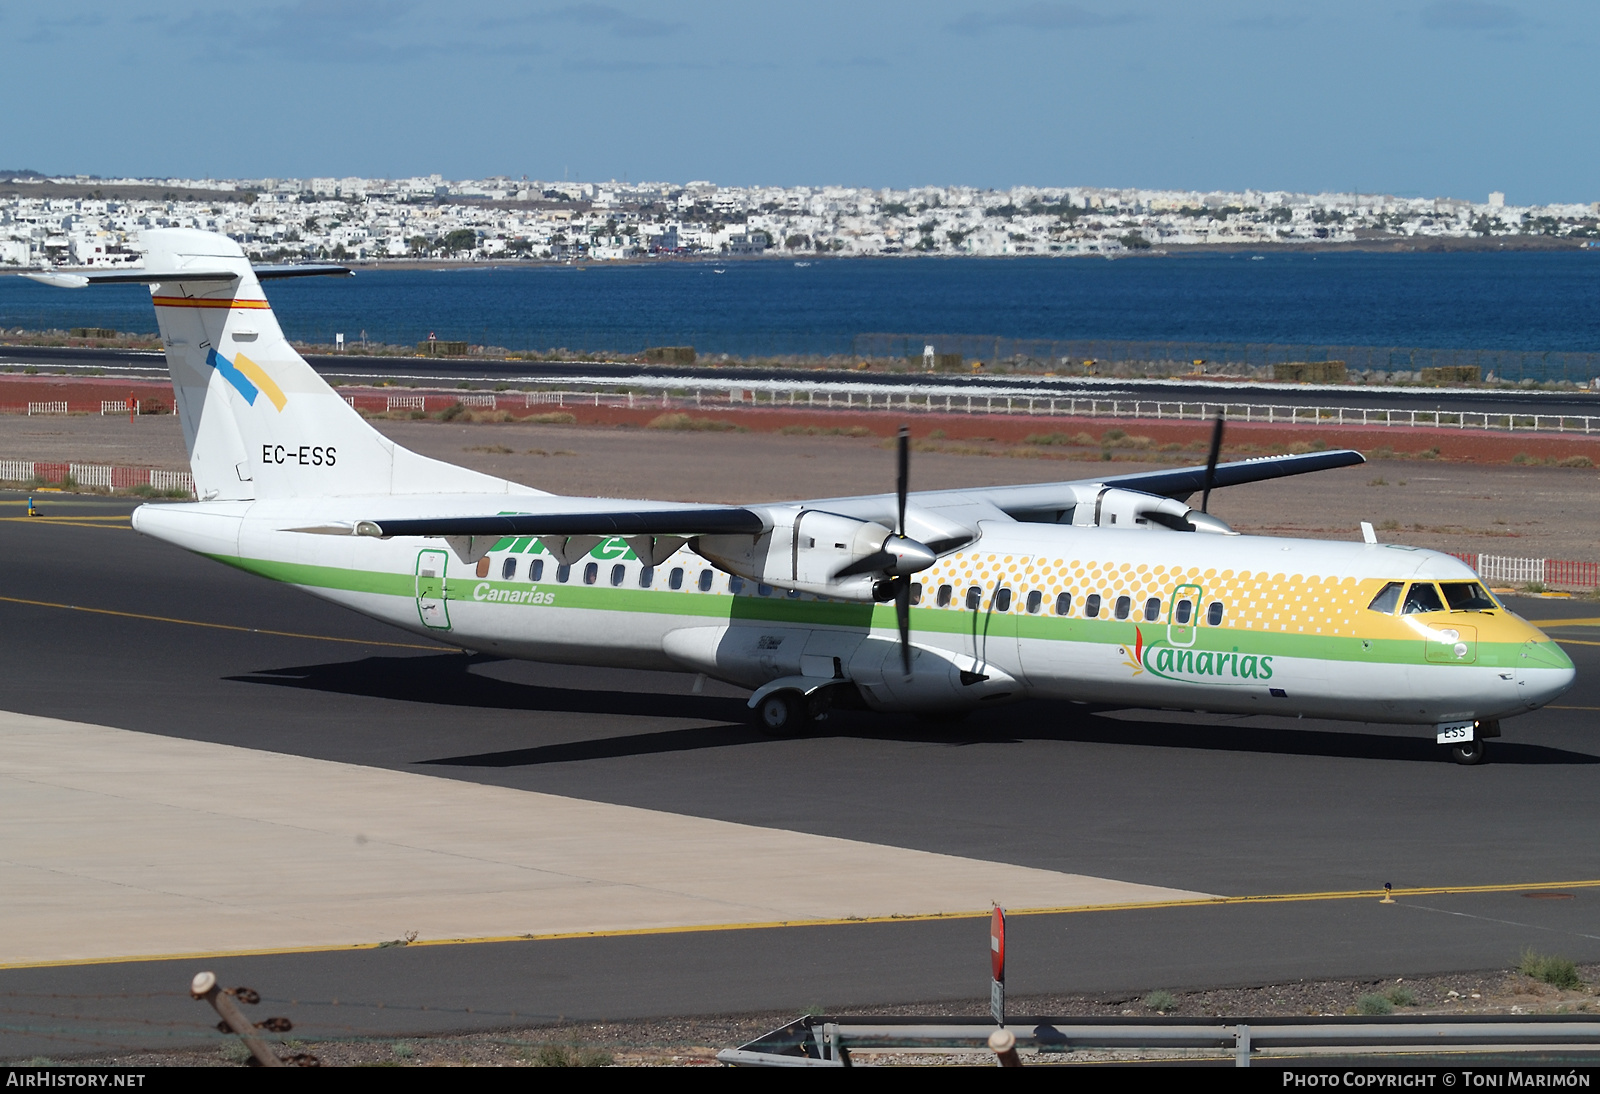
(1544, 671)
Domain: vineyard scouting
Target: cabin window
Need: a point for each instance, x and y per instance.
(535, 569)
(563, 572)
(508, 569)
(1124, 606)
(619, 574)
(1035, 601)
(647, 577)
(793, 594)
(1091, 605)
(1183, 612)
(591, 573)
(1214, 614)
(675, 578)
(1388, 598)
(916, 592)
(1467, 596)
(1064, 604)
(1422, 597)
(943, 599)
(763, 590)
(1002, 600)
(974, 598)
(705, 581)
(1152, 609)
(735, 584)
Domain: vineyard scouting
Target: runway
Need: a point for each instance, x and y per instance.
(153, 653)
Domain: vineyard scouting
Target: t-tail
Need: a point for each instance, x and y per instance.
(258, 421)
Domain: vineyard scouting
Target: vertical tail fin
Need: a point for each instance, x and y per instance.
(258, 420)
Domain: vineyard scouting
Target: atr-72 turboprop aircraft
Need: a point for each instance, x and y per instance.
(1110, 591)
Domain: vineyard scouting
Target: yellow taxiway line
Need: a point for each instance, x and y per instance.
(1542, 623)
(1198, 902)
(220, 626)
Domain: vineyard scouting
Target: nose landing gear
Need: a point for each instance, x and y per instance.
(1470, 752)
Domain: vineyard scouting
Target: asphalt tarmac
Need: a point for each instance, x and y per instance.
(357, 368)
(107, 627)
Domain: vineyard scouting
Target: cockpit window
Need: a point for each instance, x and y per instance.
(1388, 598)
(1422, 597)
(1467, 596)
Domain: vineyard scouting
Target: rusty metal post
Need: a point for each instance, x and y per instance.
(204, 986)
(1003, 1043)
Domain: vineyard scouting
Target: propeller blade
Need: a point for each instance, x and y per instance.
(1211, 464)
(880, 560)
(902, 616)
(902, 480)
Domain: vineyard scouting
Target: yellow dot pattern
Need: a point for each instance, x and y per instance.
(1253, 600)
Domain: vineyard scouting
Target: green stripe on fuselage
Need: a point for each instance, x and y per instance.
(780, 610)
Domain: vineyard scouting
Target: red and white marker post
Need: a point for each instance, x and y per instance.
(997, 965)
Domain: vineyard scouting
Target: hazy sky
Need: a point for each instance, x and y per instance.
(1412, 97)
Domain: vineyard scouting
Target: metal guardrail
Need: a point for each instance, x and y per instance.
(853, 397)
(828, 1041)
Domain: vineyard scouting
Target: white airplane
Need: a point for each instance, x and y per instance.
(1107, 591)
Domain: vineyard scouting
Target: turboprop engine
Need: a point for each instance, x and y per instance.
(1114, 507)
(819, 552)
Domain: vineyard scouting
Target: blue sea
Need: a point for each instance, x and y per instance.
(1485, 301)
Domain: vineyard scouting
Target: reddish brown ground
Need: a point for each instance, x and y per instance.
(86, 395)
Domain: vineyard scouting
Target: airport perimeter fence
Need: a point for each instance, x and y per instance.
(1513, 366)
(31, 472)
(1027, 399)
(1551, 573)
(734, 394)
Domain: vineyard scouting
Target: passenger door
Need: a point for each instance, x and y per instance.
(432, 605)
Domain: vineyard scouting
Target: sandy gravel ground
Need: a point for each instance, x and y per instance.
(1541, 512)
(677, 1042)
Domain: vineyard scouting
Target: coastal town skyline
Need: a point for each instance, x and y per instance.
(95, 222)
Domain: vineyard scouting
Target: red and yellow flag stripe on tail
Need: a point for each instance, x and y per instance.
(195, 302)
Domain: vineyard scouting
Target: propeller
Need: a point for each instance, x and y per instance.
(1211, 465)
(899, 557)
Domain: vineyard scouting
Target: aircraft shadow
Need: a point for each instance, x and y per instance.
(444, 680)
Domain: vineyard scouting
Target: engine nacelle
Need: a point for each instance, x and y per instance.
(1114, 507)
(804, 550)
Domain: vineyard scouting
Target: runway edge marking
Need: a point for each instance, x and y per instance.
(926, 917)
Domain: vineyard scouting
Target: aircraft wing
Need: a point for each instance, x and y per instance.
(934, 516)
(697, 520)
(1047, 501)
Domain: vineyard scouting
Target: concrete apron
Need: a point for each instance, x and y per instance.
(121, 844)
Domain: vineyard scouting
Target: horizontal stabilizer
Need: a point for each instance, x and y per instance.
(79, 280)
(687, 521)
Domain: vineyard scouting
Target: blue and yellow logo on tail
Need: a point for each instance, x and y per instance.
(248, 378)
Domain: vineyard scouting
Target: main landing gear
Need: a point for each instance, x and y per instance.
(783, 714)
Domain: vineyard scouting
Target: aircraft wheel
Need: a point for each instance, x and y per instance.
(1468, 752)
(782, 714)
